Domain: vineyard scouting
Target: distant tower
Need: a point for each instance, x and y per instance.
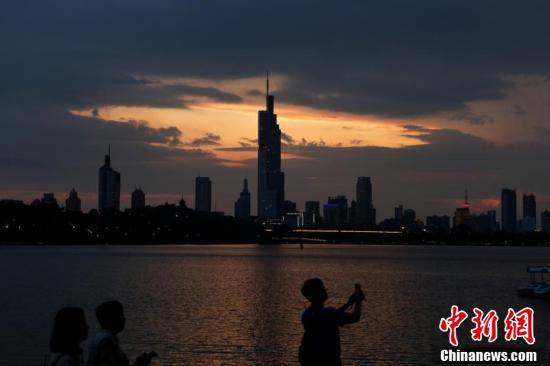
(138, 199)
(335, 211)
(109, 186)
(312, 214)
(271, 180)
(508, 209)
(462, 214)
(242, 205)
(398, 214)
(529, 222)
(203, 194)
(73, 203)
(365, 214)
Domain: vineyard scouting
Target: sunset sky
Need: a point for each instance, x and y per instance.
(427, 98)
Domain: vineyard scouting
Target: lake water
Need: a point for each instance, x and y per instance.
(241, 304)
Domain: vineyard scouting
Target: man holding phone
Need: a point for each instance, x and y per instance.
(321, 341)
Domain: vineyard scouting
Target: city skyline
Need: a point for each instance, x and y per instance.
(425, 109)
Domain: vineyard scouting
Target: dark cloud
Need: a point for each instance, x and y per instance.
(416, 128)
(470, 117)
(396, 58)
(209, 139)
(287, 139)
(255, 93)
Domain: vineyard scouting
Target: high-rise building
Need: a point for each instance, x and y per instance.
(545, 221)
(335, 211)
(398, 215)
(365, 210)
(109, 186)
(438, 223)
(352, 214)
(508, 210)
(493, 224)
(271, 180)
(73, 203)
(242, 205)
(409, 217)
(49, 199)
(203, 194)
(312, 214)
(138, 199)
(462, 214)
(529, 220)
(289, 206)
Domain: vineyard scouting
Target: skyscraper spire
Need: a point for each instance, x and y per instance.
(267, 83)
(466, 204)
(108, 157)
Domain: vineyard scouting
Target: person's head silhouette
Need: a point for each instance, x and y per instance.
(110, 315)
(69, 329)
(314, 290)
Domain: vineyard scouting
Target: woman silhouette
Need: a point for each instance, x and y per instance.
(69, 330)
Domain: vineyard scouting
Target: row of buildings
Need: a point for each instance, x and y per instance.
(338, 211)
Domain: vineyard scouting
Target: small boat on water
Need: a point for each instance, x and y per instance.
(538, 287)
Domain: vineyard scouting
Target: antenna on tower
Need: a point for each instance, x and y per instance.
(266, 82)
(466, 204)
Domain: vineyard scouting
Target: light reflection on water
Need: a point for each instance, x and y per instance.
(241, 305)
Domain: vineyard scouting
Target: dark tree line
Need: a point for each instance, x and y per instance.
(164, 224)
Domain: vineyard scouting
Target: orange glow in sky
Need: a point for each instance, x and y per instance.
(238, 121)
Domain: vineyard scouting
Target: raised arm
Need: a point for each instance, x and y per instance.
(356, 301)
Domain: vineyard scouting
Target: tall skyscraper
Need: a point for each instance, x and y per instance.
(335, 211)
(138, 199)
(73, 203)
(203, 194)
(242, 205)
(312, 214)
(529, 220)
(398, 216)
(409, 217)
(109, 186)
(271, 180)
(365, 214)
(462, 214)
(508, 209)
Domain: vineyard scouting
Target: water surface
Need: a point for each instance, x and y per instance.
(241, 304)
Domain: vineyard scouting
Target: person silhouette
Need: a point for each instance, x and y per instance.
(69, 330)
(104, 347)
(320, 344)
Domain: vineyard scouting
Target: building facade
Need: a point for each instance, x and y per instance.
(109, 186)
(138, 199)
(242, 205)
(335, 211)
(271, 180)
(529, 219)
(508, 210)
(365, 213)
(73, 203)
(312, 214)
(203, 194)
